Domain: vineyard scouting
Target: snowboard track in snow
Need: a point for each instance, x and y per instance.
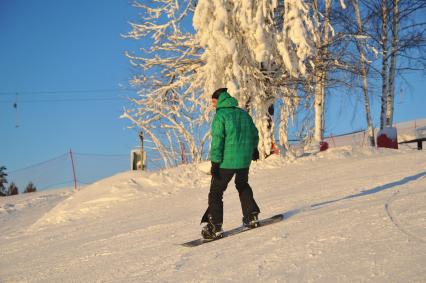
(395, 220)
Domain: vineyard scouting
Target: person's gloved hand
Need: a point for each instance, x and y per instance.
(255, 154)
(215, 170)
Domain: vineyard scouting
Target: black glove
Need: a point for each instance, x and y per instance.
(255, 154)
(215, 170)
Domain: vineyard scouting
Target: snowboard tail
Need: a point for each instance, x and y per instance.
(235, 231)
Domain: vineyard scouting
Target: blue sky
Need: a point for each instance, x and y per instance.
(50, 47)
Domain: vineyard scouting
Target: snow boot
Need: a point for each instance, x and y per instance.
(251, 221)
(212, 231)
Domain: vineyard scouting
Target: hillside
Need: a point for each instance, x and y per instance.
(351, 215)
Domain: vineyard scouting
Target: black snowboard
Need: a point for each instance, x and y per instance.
(263, 222)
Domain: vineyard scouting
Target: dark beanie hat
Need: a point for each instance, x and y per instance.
(218, 92)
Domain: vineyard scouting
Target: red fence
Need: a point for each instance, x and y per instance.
(69, 170)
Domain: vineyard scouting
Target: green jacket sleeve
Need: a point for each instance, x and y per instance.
(218, 139)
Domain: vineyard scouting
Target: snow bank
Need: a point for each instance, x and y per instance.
(105, 194)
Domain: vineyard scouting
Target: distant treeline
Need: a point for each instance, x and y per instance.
(12, 189)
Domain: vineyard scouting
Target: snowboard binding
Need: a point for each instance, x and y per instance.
(212, 231)
(252, 221)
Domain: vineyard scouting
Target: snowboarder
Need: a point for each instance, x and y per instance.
(233, 147)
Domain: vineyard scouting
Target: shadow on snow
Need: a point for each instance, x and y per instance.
(388, 186)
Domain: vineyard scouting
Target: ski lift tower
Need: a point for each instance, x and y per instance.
(138, 156)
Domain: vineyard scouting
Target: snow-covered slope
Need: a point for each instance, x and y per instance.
(351, 216)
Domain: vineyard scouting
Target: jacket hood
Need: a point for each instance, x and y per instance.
(225, 101)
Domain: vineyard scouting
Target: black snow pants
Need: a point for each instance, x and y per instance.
(218, 187)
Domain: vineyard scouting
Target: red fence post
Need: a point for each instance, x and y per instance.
(73, 171)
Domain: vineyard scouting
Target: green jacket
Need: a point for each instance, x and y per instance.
(234, 135)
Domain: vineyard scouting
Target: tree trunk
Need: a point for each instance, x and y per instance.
(384, 74)
(321, 72)
(287, 112)
(360, 43)
(391, 92)
(319, 106)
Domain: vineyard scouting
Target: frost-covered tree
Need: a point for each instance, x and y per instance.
(170, 108)
(322, 41)
(257, 49)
